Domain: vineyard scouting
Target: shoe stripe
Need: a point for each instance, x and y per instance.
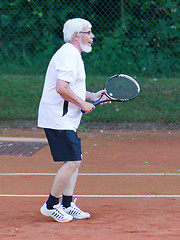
(74, 212)
(57, 214)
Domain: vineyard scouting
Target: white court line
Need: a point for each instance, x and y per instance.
(22, 139)
(100, 196)
(130, 174)
(93, 174)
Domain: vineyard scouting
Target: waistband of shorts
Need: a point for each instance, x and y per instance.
(65, 131)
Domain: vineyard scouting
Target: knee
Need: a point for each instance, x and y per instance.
(74, 164)
(77, 164)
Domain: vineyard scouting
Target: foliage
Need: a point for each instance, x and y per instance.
(135, 36)
(20, 96)
(157, 102)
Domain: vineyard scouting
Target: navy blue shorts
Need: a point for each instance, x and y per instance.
(65, 145)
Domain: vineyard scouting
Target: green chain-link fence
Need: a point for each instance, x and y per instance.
(135, 36)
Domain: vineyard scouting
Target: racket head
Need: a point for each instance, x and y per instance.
(121, 88)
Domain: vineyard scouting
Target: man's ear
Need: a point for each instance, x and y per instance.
(75, 36)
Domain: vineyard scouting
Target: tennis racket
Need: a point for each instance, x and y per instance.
(119, 88)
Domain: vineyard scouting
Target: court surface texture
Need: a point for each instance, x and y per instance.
(129, 182)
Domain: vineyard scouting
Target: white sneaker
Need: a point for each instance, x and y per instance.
(57, 213)
(75, 212)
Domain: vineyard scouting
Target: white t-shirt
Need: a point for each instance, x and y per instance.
(67, 65)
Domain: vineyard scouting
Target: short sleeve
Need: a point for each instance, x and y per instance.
(66, 66)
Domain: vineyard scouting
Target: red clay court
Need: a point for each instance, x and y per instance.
(128, 182)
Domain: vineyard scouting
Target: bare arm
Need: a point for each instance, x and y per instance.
(62, 87)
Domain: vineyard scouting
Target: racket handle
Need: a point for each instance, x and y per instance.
(96, 102)
(82, 111)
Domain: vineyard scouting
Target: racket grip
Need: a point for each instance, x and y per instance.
(82, 111)
(96, 102)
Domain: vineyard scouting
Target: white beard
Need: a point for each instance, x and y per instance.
(85, 48)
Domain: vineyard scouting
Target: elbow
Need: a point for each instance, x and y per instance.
(62, 90)
(58, 89)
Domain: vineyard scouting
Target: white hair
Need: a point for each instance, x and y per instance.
(74, 25)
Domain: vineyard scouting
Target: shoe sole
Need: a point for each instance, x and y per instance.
(81, 217)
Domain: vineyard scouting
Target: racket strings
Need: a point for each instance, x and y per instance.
(121, 88)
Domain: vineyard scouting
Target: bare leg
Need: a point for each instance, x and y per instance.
(63, 179)
(69, 188)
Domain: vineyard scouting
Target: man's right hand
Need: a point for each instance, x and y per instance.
(88, 107)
